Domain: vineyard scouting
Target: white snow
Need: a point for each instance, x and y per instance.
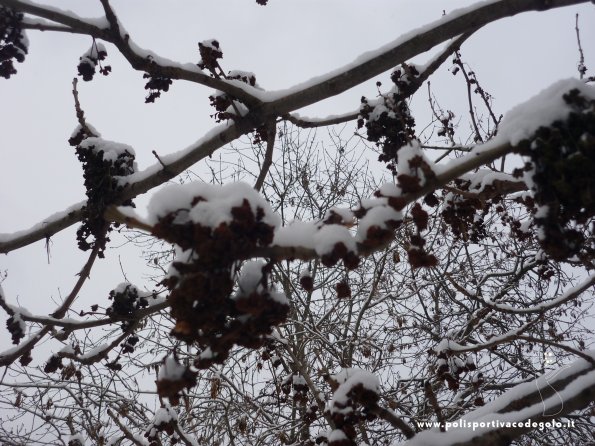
(95, 351)
(348, 379)
(337, 435)
(542, 109)
(328, 236)
(217, 207)
(171, 370)
(8, 237)
(111, 149)
(296, 233)
(77, 437)
(164, 415)
(250, 276)
(484, 177)
(488, 418)
(377, 216)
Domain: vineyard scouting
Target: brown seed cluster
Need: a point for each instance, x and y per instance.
(102, 188)
(89, 61)
(561, 166)
(347, 414)
(206, 311)
(126, 301)
(13, 43)
(450, 367)
(388, 120)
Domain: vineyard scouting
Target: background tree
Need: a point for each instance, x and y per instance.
(320, 300)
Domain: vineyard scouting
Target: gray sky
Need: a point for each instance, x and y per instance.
(284, 43)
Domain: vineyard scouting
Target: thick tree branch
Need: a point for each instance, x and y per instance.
(429, 69)
(412, 44)
(139, 59)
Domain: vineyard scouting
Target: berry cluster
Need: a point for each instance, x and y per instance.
(388, 120)
(128, 345)
(16, 327)
(228, 107)
(103, 163)
(464, 214)
(155, 85)
(201, 299)
(352, 404)
(13, 42)
(126, 302)
(71, 371)
(166, 421)
(173, 378)
(53, 364)
(562, 162)
(418, 257)
(210, 52)
(298, 384)
(89, 61)
(450, 367)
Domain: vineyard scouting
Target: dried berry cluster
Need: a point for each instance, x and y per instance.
(89, 61)
(348, 414)
(228, 107)
(418, 257)
(210, 52)
(15, 326)
(298, 384)
(201, 298)
(128, 345)
(178, 378)
(126, 302)
(155, 85)
(465, 214)
(75, 442)
(71, 371)
(53, 364)
(166, 421)
(450, 367)
(269, 353)
(406, 79)
(100, 174)
(562, 163)
(13, 42)
(388, 120)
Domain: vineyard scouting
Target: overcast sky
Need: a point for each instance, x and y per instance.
(284, 43)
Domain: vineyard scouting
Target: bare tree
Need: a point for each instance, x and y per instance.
(302, 297)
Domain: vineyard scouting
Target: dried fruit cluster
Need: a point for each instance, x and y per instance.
(127, 300)
(103, 162)
(201, 299)
(417, 255)
(165, 420)
(155, 85)
(173, 378)
(561, 166)
(16, 328)
(388, 120)
(450, 367)
(464, 214)
(89, 61)
(353, 402)
(13, 42)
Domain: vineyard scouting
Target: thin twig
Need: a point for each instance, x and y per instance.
(83, 275)
(268, 156)
(582, 69)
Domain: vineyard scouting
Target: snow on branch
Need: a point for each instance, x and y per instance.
(521, 409)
